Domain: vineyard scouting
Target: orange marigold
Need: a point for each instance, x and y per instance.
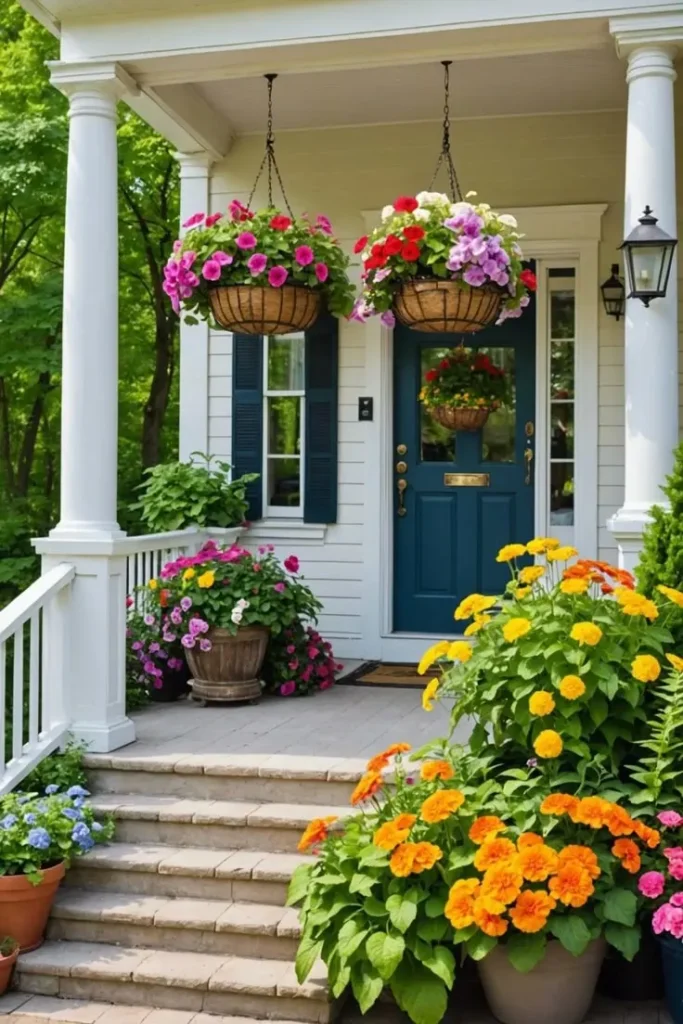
(490, 924)
(493, 851)
(432, 770)
(537, 862)
(559, 803)
(629, 855)
(528, 839)
(405, 820)
(425, 857)
(315, 833)
(459, 909)
(572, 885)
(582, 855)
(401, 863)
(397, 748)
(388, 836)
(482, 828)
(367, 787)
(441, 805)
(503, 882)
(619, 822)
(592, 811)
(647, 835)
(377, 763)
(531, 910)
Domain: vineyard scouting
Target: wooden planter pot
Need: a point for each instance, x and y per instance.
(457, 418)
(260, 309)
(447, 307)
(6, 967)
(230, 670)
(25, 908)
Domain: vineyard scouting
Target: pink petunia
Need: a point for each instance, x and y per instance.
(651, 884)
(211, 270)
(279, 588)
(224, 258)
(212, 219)
(195, 219)
(676, 869)
(671, 819)
(325, 684)
(312, 653)
(323, 224)
(291, 649)
(247, 240)
(277, 276)
(673, 852)
(303, 255)
(677, 899)
(291, 564)
(322, 272)
(257, 263)
(288, 688)
(388, 318)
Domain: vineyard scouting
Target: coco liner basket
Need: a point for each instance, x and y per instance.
(260, 310)
(447, 307)
(459, 417)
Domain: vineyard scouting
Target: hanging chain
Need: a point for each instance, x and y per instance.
(445, 154)
(269, 160)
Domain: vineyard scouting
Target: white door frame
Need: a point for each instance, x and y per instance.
(555, 236)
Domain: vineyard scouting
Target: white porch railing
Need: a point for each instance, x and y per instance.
(34, 639)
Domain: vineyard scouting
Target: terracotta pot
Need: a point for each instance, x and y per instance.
(459, 418)
(447, 307)
(559, 989)
(230, 670)
(6, 967)
(25, 908)
(259, 309)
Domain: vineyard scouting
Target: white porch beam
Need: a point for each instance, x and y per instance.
(183, 116)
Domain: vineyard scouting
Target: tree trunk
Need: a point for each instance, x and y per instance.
(28, 446)
(157, 403)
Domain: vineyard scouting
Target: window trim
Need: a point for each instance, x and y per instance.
(565, 534)
(289, 512)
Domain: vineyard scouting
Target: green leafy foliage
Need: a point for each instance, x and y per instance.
(658, 772)
(64, 769)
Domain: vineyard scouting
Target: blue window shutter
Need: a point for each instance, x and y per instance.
(247, 415)
(322, 371)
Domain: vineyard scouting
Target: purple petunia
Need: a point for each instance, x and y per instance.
(185, 603)
(188, 641)
(149, 619)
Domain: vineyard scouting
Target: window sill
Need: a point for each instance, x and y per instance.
(272, 531)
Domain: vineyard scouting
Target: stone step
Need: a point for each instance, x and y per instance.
(23, 1008)
(236, 986)
(157, 922)
(211, 824)
(240, 876)
(280, 778)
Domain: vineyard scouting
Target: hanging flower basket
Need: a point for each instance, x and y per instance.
(254, 309)
(459, 417)
(463, 389)
(445, 307)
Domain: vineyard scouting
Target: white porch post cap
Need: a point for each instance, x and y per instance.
(659, 31)
(108, 76)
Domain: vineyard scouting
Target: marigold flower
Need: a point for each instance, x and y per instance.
(316, 832)
(397, 748)
(531, 573)
(490, 924)
(636, 604)
(586, 633)
(429, 693)
(650, 836)
(559, 803)
(521, 592)
(377, 763)
(388, 836)
(572, 885)
(494, 851)
(153, 584)
(485, 827)
(541, 703)
(537, 862)
(531, 910)
(405, 820)
(441, 805)
(432, 770)
(367, 787)
(562, 554)
(503, 882)
(645, 668)
(675, 662)
(459, 909)
(510, 551)
(425, 857)
(548, 744)
(629, 855)
(575, 586)
(435, 652)
(401, 862)
(673, 595)
(541, 545)
(572, 687)
(460, 650)
(529, 839)
(479, 622)
(591, 811)
(207, 579)
(516, 628)
(582, 855)
(473, 605)
(619, 822)
(189, 574)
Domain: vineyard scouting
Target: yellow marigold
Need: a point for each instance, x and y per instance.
(575, 586)
(541, 703)
(207, 579)
(645, 668)
(548, 744)
(483, 828)
(189, 574)
(503, 882)
(441, 805)
(675, 662)
(460, 650)
(531, 573)
(537, 862)
(475, 604)
(515, 628)
(494, 851)
(572, 885)
(541, 545)
(479, 622)
(432, 770)
(531, 910)
(562, 554)
(647, 835)
(591, 811)
(435, 652)
(367, 787)
(558, 804)
(521, 592)
(459, 909)
(429, 693)
(636, 604)
(315, 833)
(388, 837)
(582, 855)
(673, 595)
(572, 687)
(510, 551)
(529, 839)
(629, 855)
(586, 633)
(152, 584)
(490, 924)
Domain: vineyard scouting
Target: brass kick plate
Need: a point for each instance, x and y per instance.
(466, 479)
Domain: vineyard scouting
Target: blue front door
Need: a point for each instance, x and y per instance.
(447, 537)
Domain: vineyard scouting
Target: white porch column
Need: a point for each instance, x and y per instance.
(88, 531)
(195, 178)
(650, 333)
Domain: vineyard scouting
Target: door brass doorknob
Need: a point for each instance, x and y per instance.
(401, 467)
(528, 459)
(401, 486)
(401, 449)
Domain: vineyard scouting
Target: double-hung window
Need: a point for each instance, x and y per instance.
(284, 415)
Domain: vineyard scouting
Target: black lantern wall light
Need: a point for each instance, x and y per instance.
(648, 255)
(613, 294)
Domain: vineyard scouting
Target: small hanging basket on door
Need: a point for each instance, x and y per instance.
(254, 309)
(462, 390)
(444, 307)
(460, 417)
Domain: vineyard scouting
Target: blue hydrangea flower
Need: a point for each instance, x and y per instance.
(81, 835)
(72, 814)
(79, 801)
(8, 821)
(75, 791)
(30, 819)
(39, 838)
(23, 799)
(52, 789)
(96, 827)
(42, 807)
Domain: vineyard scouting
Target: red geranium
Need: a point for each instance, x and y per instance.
(528, 279)
(410, 252)
(375, 262)
(445, 364)
(414, 233)
(393, 245)
(405, 204)
(378, 250)
(431, 375)
(360, 244)
(280, 222)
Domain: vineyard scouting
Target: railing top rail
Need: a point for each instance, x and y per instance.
(34, 597)
(156, 541)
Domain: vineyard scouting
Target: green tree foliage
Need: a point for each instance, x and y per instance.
(662, 557)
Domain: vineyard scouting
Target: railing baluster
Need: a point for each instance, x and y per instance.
(34, 682)
(3, 670)
(18, 695)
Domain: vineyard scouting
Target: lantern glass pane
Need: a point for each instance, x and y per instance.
(647, 267)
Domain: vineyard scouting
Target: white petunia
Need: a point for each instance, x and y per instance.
(461, 209)
(430, 198)
(236, 616)
(422, 214)
(388, 212)
(508, 220)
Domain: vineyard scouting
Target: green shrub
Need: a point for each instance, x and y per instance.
(64, 768)
(662, 559)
